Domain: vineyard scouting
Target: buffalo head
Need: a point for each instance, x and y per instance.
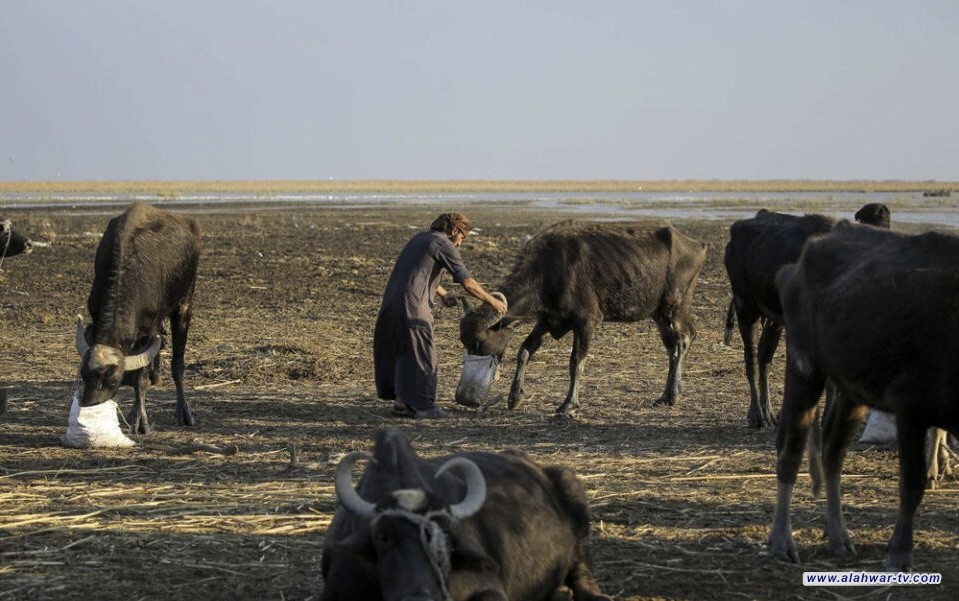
(874, 213)
(103, 367)
(12, 243)
(483, 331)
(409, 534)
(484, 334)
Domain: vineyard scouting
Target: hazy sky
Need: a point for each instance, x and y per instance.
(486, 89)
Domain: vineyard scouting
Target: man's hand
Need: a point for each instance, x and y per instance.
(449, 299)
(498, 305)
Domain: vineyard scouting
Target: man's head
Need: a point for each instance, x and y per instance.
(454, 225)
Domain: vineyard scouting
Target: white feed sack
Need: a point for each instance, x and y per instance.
(479, 371)
(94, 427)
(880, 428)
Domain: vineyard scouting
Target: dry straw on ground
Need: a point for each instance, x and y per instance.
(279, 377)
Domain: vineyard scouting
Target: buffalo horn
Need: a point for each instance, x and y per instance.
(141, 360)
(475, 487)
(495, 318)
(82, 346)
(348, 496)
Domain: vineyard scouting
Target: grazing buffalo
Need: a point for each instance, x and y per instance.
(11, 242)
(757, 248)
(875, 313)
(471, 526)
(145, 271)
(575, 275)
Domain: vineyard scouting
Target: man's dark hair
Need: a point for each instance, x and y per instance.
(447, 222)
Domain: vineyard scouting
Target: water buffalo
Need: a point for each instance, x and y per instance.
(574, 275)
(144, 272)
(874, 312)
(11, 242)
(470, 526)
(757, 248)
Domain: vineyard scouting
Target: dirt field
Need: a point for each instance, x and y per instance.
(279, 361)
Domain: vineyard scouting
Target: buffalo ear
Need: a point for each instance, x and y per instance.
(357, 545)
(508, 322)
(470, 557)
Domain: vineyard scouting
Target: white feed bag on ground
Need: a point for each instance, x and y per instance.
(880, 428)
(92, 427)
(479, 371)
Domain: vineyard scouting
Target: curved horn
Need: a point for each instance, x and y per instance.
(466, 305)
(495, 318)
(81, 342)
(141, 360)
(347, 495)
(475, 487)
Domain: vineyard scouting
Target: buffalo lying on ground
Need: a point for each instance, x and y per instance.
(490, 526)
(145, 271)
(11, 242)
(574, 275)
(875, 313)
(757, 248)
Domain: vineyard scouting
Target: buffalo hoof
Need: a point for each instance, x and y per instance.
(184, 417)
(515, 399)
(898, 562)
(665, 400)
(784, 549)
(140, 427)
(842, 547)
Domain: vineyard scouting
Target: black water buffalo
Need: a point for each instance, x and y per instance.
(11, 242)
(145, 271)
(574, 275)
(877, 314)
(472, 526)
(874, 213)
(757, 248)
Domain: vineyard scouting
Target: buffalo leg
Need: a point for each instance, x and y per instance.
(676, 340)
(814, 449)
(582, 582)
(768, 341)
(747, 331)
(938, 456)
(841, 423)
(139, 423)
(803, 389)
(912, 485)
(577, 361)
(179, 326)
(526, 351)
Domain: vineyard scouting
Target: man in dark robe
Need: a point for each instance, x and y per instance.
(404, 354)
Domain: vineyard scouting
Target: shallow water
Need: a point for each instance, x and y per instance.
(907, 207)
